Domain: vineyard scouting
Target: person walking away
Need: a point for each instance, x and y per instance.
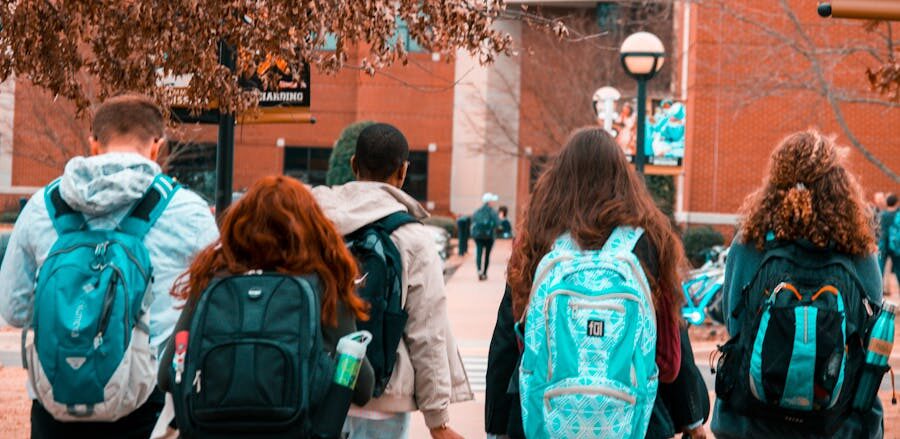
(505, 226)
(889, 244)
(802, 285)
(484, 229)
(246, 300)
(600, 329)
(109, 238)
(427, 373)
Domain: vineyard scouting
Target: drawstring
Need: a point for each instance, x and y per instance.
(893, 389)
(713, 359)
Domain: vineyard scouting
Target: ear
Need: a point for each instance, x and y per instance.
(354, 166)
(95, 147)
(401, 174)
(155, 147)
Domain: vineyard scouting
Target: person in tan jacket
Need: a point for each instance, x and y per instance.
(429, 374)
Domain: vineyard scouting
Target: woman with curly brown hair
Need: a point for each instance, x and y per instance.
(806, 244)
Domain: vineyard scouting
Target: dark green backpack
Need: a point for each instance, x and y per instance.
(797, 358)
(255, 364)
(381, 268)
(484, 223)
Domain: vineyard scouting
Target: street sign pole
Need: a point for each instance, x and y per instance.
(225, 146)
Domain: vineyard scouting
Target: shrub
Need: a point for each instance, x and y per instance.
(339, 171)
(662, 189)
(697, 240)
(444, 222)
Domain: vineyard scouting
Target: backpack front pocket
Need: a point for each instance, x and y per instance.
(585, 407)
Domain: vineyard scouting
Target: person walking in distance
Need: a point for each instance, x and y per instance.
(109, 238)
(484, 229)
(889, 244)
(424, 369)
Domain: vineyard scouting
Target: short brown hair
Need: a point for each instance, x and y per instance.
(128, 116)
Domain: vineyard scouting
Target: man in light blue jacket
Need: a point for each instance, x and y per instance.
(127, 134)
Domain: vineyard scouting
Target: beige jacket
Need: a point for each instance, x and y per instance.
(429, 373)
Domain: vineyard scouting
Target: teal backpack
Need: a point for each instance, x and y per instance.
(90, 357)
(894, 237)
(484, 223)
(589, 365)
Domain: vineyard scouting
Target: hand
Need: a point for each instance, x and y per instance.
(696, 433)
(445, 433)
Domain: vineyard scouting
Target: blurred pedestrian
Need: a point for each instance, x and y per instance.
(889, 244)
(484, 229)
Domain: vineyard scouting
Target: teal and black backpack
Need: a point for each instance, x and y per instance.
(589, 365)
(484, 223)
(381, 286)
(90, 358)
(801, 347)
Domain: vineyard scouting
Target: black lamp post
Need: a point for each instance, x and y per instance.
(642, 55)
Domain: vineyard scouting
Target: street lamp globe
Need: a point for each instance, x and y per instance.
(642, 55)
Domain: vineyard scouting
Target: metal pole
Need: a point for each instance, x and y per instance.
(639, 155)
(225, 146)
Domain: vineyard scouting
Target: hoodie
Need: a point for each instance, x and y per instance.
(429, 374)
(104, 188)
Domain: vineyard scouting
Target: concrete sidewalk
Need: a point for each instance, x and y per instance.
(472, 307)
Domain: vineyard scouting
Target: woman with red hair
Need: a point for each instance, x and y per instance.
(278, 227)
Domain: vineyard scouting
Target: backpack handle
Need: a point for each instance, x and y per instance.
(65, 219)
(144, 214)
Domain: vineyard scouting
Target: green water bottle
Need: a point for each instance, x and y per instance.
(351, 351)
(881, 342)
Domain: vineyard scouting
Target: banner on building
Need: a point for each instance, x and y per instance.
(663, 135)
(286, 101)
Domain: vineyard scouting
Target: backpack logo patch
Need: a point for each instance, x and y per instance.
(76, 362)
(595, 328)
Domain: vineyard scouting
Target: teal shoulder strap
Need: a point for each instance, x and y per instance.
(145, 213)
(395, 220)
(64, 218)
(623, 239)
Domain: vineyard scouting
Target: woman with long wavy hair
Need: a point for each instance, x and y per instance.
(811, 206)
(277, 226)
(587, 192)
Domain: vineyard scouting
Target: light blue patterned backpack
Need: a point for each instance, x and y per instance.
(90, 357)
(589, 367)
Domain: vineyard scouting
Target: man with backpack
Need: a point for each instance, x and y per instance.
(87, 275)
(416, 361)
(889, 243)
(484, 228)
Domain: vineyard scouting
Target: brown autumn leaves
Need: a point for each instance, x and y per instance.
(131, 44)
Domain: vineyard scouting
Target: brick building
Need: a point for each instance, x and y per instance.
(474, 129)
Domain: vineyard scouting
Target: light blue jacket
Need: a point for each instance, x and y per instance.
(104, 188)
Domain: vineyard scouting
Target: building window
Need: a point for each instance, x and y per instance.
(309, 165)
(402, 33)
(416, 183)
(194, 166)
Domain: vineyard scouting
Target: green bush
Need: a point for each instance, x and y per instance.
(9, 217)
(339, 171)
(699, 239)
(662, 189)
(444, 222)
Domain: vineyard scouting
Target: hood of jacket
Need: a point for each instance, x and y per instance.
(356, 204)
(103, 184)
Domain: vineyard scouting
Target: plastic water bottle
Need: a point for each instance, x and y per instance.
(881, 342)
(351, 350)
(331, 413)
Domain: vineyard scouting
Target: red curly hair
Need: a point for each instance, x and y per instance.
(277, 226)
(809, 194)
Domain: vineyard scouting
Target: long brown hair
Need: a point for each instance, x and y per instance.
(277, 226)
(589, 190)
(809, 194)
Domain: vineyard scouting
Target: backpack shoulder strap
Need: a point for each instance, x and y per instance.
(396, 220)
(65, 219)
(145, 213)
(622, 240)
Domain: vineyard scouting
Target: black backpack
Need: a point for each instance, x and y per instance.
(381, 267)
(801, 347)
(255, 363)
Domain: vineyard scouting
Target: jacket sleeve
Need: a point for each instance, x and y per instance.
(19, 269)
(731, 288)
(502, 360)
(426, 329)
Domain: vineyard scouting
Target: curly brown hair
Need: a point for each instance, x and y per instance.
(809, 194)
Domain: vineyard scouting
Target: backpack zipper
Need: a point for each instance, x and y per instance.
(196, 383)
(108, 300)
(604, 391)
